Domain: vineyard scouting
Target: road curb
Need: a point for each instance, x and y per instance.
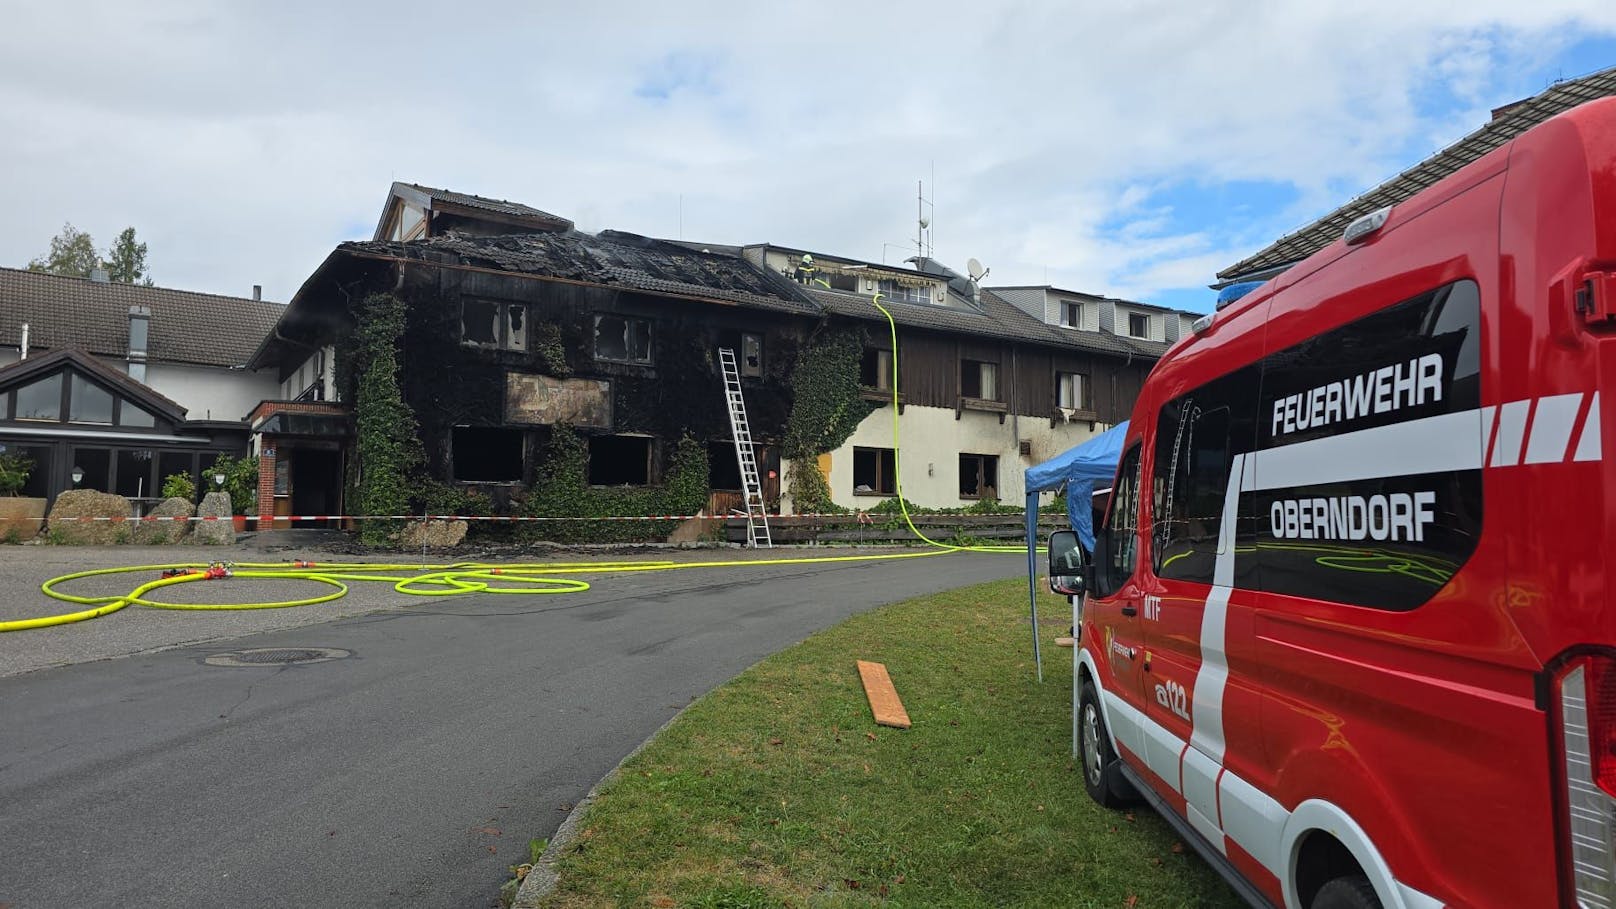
(542, 879)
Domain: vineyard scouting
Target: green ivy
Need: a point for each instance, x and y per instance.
(561, 489)
(826, 408)
(547, 345)
(388, 450)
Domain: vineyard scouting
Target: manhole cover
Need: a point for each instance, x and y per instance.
(277, 656)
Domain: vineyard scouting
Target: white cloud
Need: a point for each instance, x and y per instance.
(244, 141)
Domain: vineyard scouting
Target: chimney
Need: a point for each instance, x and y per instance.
(258, 292)
(99, 275)
(139, 339)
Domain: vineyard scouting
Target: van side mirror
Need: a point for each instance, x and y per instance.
(1068, 566)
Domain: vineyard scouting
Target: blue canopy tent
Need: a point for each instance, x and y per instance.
(1080, 468)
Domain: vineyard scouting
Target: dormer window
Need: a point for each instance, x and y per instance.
(1071, 314)
(904, 293)
(1138, 325)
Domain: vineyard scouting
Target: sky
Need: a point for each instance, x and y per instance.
(1123, 148)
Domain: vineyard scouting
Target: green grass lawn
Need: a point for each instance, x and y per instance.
(778, 789)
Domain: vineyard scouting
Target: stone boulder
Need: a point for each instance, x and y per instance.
(432, 534)
(220, 532)
(162, 533)
(83, 504)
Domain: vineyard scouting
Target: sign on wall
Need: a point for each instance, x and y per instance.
(543, 400)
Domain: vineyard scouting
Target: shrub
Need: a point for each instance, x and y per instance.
(179, 486)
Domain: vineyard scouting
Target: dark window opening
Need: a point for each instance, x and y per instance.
(978, 476)
(1138, 325)
(1071, 314)
(173, 462)
(979, 380)
(487, 454)
(489, 323)
(622, 338)
(135, 474)
(42, 458)
(479, 322)
(620, 460)
(723, 471)
(875, 472)
(837, 281)
(97, 466)
(875, 369)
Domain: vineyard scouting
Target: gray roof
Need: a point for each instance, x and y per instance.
(997, 319)
(186, 327)
(483, 203)
(611, 259)
(1507, 123)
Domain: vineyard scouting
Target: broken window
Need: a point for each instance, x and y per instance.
(752, 355)
(875, 472)
(623, 338)
(484, 454)
(620, 460)
(1071, 391)
(979, 380)
(978, 476)
(840, 280)
(875, 369)
(135, 479)
(41, 400)
(490, 323)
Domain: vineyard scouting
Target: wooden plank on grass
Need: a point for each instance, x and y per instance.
(883, 697)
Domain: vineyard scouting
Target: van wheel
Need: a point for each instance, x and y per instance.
(1347, 893)
(1100, 775)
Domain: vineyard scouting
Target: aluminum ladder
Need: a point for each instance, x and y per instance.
(757, 516)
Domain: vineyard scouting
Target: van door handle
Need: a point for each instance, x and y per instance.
(1130, 610)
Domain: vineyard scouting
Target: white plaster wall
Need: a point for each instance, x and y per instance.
(304, 376)
(212, 393)
(930, 443)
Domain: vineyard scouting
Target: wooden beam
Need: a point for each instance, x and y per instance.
(884, 703)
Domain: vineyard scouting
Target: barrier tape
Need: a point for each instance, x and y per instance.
(861, 517)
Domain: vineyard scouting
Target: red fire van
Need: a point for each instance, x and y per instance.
(1349, 623)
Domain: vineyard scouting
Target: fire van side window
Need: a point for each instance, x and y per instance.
(1122, 523)
(1344, 421)
(1197, 436)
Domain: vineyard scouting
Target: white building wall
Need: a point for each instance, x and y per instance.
(211, 393)
(930, 443)
(317, 365)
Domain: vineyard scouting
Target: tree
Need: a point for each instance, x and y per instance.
(126, 260)
(72, 253)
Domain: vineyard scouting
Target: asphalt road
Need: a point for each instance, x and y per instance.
(411, 773)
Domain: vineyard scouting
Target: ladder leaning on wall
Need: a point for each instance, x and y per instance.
(757, 516)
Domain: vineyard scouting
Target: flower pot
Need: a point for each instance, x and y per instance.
(240, 522)
(21, 518)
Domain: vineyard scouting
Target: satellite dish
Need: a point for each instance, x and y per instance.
(975, 268)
